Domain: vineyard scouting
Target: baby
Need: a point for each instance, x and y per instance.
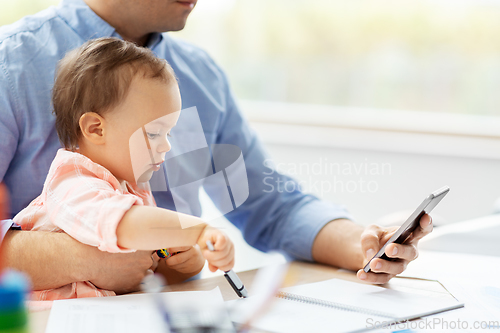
(115, 105)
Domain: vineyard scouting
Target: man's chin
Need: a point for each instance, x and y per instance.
(175, 24)
(175, 27)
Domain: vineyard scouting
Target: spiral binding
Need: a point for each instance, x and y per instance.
(339, 306)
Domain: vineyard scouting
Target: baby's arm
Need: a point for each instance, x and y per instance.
(150, 228)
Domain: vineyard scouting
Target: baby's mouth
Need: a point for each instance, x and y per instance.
(157, 166)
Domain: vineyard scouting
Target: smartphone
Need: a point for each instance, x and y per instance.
(404, 232)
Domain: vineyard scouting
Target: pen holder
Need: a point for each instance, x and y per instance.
(185, 319)
(200, 321)
(13, 313)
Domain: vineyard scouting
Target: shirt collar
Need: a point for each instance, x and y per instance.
(154, 40)
(89, 25)
(83, 20)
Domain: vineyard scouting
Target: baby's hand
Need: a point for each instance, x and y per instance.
(223, 256)
(187, 260)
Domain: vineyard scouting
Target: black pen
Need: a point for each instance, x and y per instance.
(231, 277)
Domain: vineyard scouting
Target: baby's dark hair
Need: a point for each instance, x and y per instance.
(96, 77)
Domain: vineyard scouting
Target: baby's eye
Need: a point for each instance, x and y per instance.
(152, 136)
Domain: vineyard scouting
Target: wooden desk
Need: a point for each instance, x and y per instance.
(300, 273)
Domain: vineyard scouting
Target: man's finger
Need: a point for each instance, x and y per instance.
(179, 249)
(155, 259)
(389, 267)
(370, 241)
(375, 278)
(180, 258)
(425, 227)
(402, 251)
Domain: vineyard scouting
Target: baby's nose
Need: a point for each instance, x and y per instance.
(164, 146)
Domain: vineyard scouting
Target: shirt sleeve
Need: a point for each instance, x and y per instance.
(86, 207)
(6, 225)
(8, 125)
(277, 215)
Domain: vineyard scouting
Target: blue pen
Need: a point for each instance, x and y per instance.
(231, 277)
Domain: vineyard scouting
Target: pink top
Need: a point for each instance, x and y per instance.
(84, 200)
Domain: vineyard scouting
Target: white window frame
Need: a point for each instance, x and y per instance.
(442, 134)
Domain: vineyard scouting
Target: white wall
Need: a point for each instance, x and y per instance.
(402, 183)
(378, 163)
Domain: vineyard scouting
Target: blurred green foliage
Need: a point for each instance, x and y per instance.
(429, 55)
(13, 10)
(435, 55)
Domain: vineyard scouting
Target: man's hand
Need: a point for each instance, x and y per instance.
(180, 267)
(120, 272)
(53, 259)
(4, 206)
(342, 243)
(374, 237)
(188, 260)
(4, 202)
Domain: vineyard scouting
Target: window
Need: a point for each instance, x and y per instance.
(425, 55)
(435, 55)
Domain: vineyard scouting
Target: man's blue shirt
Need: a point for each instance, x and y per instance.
(29, 52)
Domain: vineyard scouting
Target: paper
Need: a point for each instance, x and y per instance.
(472, 279)
(132, 313)
(390, 305)
(266, 283)
(482, 297)
(478, 236)
(437, 265)
(287, 317)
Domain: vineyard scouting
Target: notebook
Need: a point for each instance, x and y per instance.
(342, 306)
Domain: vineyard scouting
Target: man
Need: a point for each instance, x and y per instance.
(3, 215)
(4, 208)
(301, 225)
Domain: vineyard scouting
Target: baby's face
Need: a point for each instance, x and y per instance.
(138, 129)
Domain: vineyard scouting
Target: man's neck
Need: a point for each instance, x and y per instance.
(116, 19)
(141, 40)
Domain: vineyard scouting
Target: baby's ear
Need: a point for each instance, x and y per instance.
(92, 127)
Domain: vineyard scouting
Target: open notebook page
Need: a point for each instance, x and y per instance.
(372, 304)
